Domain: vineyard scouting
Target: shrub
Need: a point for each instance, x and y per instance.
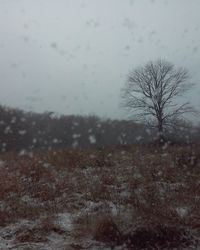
(107, 231)
(160, 237)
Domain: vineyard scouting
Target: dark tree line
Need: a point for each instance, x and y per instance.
(21, 130)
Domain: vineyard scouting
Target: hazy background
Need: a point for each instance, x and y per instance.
(73, 56)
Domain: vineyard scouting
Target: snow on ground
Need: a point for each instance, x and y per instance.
(57, 241)
(65, 221)
(70, 198)
(54, 240)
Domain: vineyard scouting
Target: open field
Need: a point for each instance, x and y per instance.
(133, 197)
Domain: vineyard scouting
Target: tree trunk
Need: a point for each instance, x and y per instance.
(161, 138)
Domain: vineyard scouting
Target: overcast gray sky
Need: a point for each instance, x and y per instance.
(73, 56)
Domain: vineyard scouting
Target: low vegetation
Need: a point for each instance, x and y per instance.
(132, 197)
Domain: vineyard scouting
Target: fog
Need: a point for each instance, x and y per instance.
(73, 57)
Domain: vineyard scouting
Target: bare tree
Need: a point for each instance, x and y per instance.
(151, 93)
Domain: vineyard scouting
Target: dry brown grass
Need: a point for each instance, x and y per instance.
(150, 187)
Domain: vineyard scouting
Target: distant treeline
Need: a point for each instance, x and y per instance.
(20, 130)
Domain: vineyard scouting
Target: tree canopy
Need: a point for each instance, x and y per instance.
(152, 94)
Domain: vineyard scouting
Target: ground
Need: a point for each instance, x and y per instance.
(131, 197)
